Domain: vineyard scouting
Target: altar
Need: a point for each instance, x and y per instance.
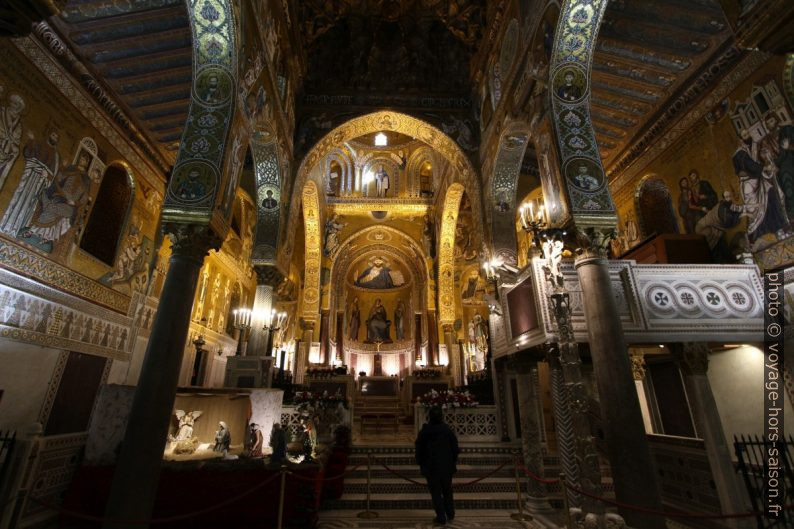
(378, 386)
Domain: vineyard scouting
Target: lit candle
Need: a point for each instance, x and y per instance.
(531, 211)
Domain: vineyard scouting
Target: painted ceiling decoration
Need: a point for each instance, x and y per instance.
(646, 53)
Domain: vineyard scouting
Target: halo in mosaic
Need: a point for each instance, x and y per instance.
(199, 163)
(569, 77)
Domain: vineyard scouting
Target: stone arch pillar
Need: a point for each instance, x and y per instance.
(313, 251)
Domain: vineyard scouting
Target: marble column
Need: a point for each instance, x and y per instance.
(340, 336)
(135, 480)
(627, 446)
(302, 350)
(418, 337)
(693, 359)
(432, 338)
(531, 433)
(638, 371)
(325, 339)
(453, 353)
(563, 426)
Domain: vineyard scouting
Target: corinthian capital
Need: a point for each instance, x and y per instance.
(593, 243)
(191, 240)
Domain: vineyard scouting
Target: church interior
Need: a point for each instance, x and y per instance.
(246, 246)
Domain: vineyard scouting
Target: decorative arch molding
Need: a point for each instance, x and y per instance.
(504, 185)
(345, 161)
(463, 170)
(570, 81)
(664, 216)
(446, 254)
(313, 255)
(414, 167)
(106, 199)
(344, 247)
(197, 174)
(267, 175)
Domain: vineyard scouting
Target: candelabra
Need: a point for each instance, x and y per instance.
(242, 322)
(273, 322)
(535, 223)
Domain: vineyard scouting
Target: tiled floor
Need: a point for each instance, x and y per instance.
(469, 519)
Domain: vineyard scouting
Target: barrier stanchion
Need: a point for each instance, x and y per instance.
(565, 504)
(368, 513)
(520, 515)
(281, 496)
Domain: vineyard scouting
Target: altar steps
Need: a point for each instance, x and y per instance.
(391, 492)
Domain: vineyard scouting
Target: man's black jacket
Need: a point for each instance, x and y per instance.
(437, 450)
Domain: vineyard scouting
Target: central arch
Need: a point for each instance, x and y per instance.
(463, 171)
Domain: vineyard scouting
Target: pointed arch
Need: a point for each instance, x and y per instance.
(110, 214)
(463, 171)
(310, 197)
(570, 81)
(446, 254)
(504, 184)
(267, 173)
(199, 169)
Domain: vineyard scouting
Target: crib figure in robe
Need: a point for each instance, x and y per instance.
(378, 326)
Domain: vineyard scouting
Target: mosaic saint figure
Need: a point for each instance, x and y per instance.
(713, 225)
(57, 207)
(785, 166)
(378, 324)
(381, 182)
(760, 192)
(569, 91)
(355, 320)
(41, 166)
(10, 134)
(399, 320)
(377, 275)
(332, 228)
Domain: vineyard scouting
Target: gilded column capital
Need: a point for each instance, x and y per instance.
(593, 243)
(637, 366)
(448, 328)
(693, 357)
(193, 241)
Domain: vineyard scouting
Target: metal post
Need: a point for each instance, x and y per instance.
(281, 496)
(520, 514)
(368, 513)
(569, 523)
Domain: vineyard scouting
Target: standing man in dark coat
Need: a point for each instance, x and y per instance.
(437, 454)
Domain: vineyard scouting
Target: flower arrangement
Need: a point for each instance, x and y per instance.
(447, 399)
(321, 372)
(426, 373)
(319, 400)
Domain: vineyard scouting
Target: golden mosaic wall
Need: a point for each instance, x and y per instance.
(729, 176)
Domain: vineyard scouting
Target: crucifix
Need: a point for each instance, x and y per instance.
(377, 368)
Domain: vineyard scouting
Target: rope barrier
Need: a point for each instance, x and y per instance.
(455, 485)
(338, 476)
(531, 475)
(667, 514)
(92, 518)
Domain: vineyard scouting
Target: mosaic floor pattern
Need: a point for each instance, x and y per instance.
(423, 520)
